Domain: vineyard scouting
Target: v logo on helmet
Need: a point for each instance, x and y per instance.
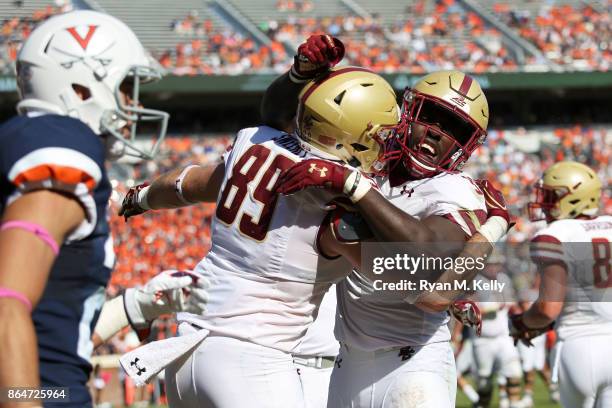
(83, 42)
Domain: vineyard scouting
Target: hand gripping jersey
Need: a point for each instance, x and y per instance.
(267, 277)
(372, 323)
(63, 154)
(583, 247)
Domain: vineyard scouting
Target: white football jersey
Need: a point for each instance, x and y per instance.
(583, 246)
(267, 278)
(372, 322)
(319, 339)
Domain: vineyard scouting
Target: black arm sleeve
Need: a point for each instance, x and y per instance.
(279, 103)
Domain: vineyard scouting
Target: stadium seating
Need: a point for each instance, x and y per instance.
(195, 37)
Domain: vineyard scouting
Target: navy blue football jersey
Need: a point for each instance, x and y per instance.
(63, 154)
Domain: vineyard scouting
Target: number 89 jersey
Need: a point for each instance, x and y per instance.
(267, 277)
(583, 247)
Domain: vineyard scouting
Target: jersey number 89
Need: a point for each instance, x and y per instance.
(247, 169)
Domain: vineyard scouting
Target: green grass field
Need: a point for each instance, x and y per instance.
(540, 398)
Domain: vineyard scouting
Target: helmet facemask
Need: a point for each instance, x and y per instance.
(433, 136)
(546, 204)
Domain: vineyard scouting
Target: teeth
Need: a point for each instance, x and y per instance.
(429, 148)
(426, 167)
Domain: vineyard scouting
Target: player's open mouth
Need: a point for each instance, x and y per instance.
(428, 151)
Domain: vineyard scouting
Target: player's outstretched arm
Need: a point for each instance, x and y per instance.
(177, 188)
(168, 292)
(33, 229)
(317, 55)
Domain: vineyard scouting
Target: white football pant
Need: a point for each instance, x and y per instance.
(498, 352)
(224, 372)
(585, 372)
(533, 358)
(419, 377)
(315, 385)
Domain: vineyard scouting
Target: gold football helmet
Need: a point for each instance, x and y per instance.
(348, 114)
(451, 115)
(567, 189)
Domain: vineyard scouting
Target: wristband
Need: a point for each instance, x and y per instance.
(178, 184)
(356, 186)
(142, 198)
(10, 293)
(494, 228)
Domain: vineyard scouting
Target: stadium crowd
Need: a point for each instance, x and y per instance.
(14, 30)
(422, 39)
(578, 37)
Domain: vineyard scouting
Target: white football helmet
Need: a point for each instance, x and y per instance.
(92, 53)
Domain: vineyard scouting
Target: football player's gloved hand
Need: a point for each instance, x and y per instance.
(316, 56)
(494, 200)
(498, 217)
(169, 292)
(133, 202)
(323, 174)
(468, 313)
(313, 173)
(520, 332)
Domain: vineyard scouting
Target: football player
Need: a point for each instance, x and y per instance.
(494, 349)
(392, 351)
(79, 75)
(267, 273)
(573, 254)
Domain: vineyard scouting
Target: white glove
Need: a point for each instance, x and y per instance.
(170, 291)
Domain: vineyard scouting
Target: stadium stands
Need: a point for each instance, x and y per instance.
(569, 33)
(196, 37)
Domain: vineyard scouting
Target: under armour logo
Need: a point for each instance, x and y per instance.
(321, 170)
(406, 353)
(407, 191)
(140, 369)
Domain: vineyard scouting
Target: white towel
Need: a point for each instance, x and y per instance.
(145, 362)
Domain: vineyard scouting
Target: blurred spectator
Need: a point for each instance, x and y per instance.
(578, 38)
(14, 30)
